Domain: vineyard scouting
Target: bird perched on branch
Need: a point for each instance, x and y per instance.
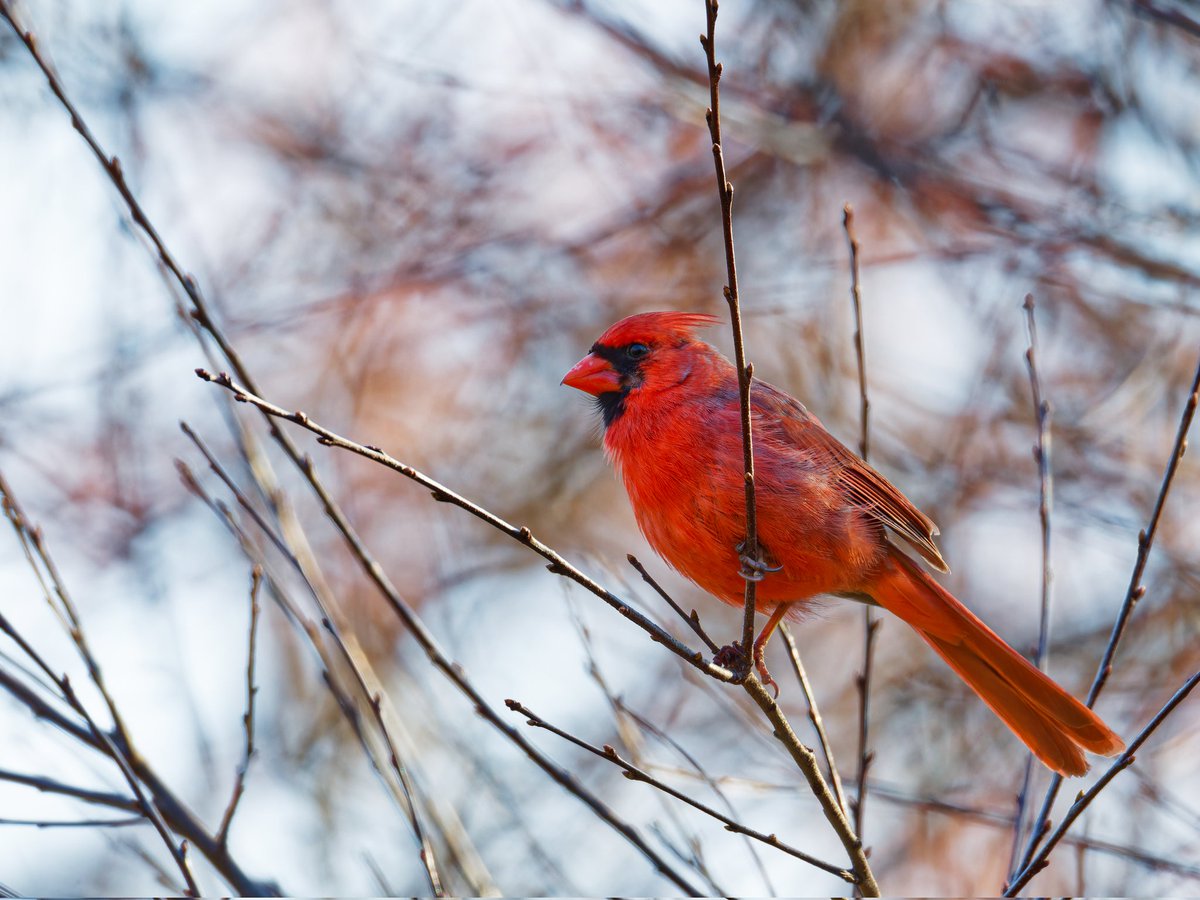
(672, 428)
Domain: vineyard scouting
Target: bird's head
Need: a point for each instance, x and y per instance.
(643, 354)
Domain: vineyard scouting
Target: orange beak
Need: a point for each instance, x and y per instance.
(593, 375)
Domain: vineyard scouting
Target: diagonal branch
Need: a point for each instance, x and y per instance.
(633, 773)
(804, 758)
(1041, 859)
(1135, 591)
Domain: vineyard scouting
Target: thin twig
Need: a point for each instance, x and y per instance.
(145, 805)
(239, 784)
(870, 623)
(699, 770)
(693, 618)
(118, 745)
(77, 823)
(52, 786)
(1041, 859)
(633, 773)
(804, 758)
(860, 352)
(1041, 453)
(1006, 821)
(749, 548)
(425, 639)
(367, 683)
(557, 564)
(1133, 593)
(814, 715)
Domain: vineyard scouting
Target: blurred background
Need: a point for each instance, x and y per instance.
(411, 219)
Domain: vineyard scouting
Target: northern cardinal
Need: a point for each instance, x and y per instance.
(672, 428)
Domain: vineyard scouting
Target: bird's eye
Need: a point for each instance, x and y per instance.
(637, 351)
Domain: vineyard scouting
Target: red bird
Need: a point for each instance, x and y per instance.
(672, 428)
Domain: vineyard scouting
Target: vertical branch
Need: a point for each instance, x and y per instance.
(239, 784)
(860, 352)
(1041, 452)
(870, 622)
(1135, 591)
(749, 549)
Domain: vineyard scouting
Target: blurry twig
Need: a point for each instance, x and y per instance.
(422, 635)
(1041, 452)
(117, 745)
(365, 680)
(750, 548)
(700, 772)
(239, 784)
(693, 618)
(1135, 591)
(1007, 821)
(52, 786)
(804, 758)
(870, 623)
(1041, 859)
(77, 823)
(633, 773)
(814, 715)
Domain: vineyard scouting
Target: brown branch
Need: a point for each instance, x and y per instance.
(1041, 453)
(239, 784)
(749, 548)
(871, 624)
(557, 564)
(367, 683)
(633, 773)
(1003, 820)
(1041, 860)
(803, 757)
(117, 746)
(692, 618)
(52, 786)
(1133, 593)
(814, 716)
(424, 637)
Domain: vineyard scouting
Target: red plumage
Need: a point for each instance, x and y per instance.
(673, 431)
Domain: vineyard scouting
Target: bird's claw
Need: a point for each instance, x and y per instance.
(756, 568)
(760, 663)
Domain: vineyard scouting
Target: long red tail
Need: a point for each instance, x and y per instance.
(1052, 723)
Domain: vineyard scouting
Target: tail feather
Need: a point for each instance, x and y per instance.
(1052, 723)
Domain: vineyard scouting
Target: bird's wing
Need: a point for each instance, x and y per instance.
(863, 485)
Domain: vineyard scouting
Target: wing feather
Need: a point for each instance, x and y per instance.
(863, 485)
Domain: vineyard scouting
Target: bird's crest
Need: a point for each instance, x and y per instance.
(656, 327)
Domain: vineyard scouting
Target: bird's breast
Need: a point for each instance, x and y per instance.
(683, 473)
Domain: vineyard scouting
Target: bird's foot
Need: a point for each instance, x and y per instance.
(730, 657)
(760, 663)
(756, 568)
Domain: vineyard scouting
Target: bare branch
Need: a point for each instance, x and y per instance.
(693, 618)
(1041, 452)
(750, 548)
(1041, 860)
(1133, 593)
(239, 784)
(633, 773)
(871, 624)
(814, 715)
